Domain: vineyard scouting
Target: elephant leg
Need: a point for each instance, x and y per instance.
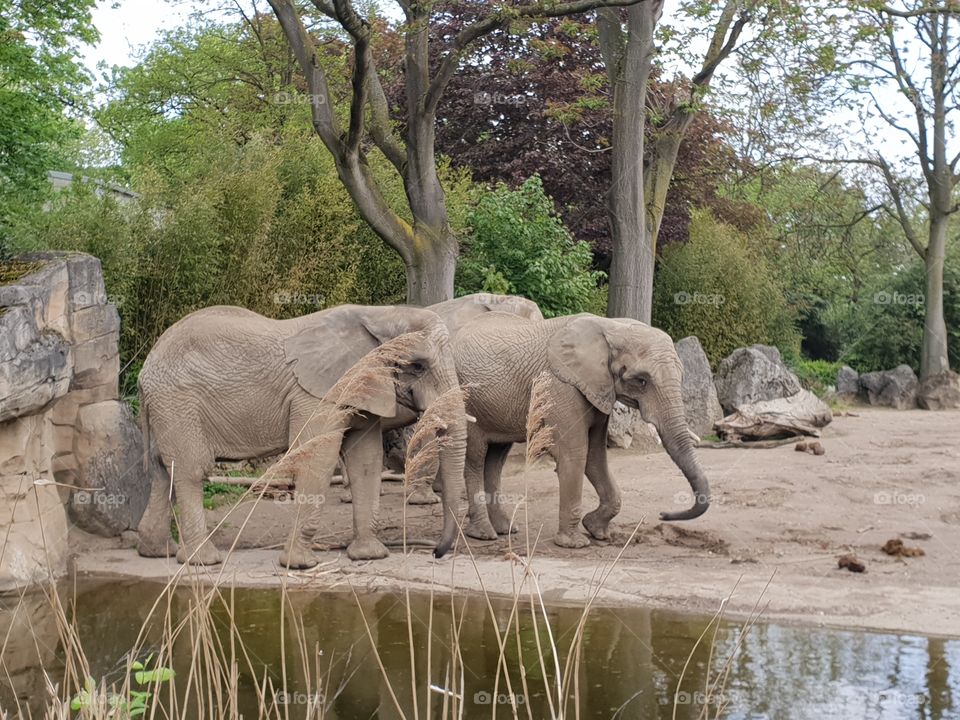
(153, 530)
(492, 471)
(570, 417)
(363, 459)
(188, 471)
(310, 496)
(479, 525)
(597, 522)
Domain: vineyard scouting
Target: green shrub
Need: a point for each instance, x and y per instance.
(516, 244)
(714, 288)
(815, 375)
(266, 225)
(884, 327)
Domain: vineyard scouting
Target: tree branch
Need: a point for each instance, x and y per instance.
(902, 215)
(952, 9)
(720, 50)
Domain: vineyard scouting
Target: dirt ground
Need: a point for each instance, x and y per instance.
(780, 520)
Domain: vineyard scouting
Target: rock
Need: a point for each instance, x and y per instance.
(895, 388)
(803, 413)
(699, 392)
(109, 453)
(620, 428)
(848, 382)
(940, 392)
(753, 374)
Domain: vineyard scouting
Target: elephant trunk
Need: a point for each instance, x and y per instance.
(679, 443)
(452, 458)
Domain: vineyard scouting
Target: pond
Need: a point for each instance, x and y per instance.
(630, 664)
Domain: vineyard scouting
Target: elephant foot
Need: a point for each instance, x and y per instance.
(597, 525)
(298, 558)
(423, 496)
(482, 530)
(572, 539)
(501, 522)
(156, 548)
(367, 549)
(206, 554)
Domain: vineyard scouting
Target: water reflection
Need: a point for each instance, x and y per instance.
(629, 667)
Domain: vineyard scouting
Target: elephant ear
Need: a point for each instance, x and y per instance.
(327, 347)
(579, 354)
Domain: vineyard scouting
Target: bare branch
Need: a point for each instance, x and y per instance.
(719, 49)
(951, 9)
(902, 215)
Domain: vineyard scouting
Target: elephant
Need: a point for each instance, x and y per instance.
(581, 365)
(461, 311)
(227, 383)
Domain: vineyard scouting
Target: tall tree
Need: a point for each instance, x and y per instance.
(426, 243)
(42, 83)
(895, 41)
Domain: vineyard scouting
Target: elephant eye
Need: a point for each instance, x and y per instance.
(642, 382)
(416, 368)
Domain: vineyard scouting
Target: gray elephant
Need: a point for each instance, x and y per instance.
(581, 365)
(227, 383)
(461, 311)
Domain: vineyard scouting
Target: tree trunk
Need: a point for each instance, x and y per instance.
(662, 159)
(933, 354)
(628, 63)
(430, 273)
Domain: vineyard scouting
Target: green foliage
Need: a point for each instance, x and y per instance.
(217, 494)
(884, 327)
(40, 79)
(715, 288)
(132, 704)
(815, 375)
(518, 245)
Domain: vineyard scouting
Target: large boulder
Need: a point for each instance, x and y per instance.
(940, 392)
(628, 429)
(753, 374)
(108, 447)
(848, 382)
(699, 393)
(895, 388)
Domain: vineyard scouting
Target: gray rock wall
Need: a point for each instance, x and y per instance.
(70, 451)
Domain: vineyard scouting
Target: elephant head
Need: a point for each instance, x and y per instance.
(627, 360)
(332, 346)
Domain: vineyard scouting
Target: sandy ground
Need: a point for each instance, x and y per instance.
(779, 521)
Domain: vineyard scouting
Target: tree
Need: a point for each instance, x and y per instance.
(540, 104)
(891, 38)
(427, 245)
(41, 85)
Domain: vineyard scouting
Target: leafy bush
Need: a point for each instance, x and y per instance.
(266, 225)
(517, 244)
(884, 327)
(714, 288)
(815, 375)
